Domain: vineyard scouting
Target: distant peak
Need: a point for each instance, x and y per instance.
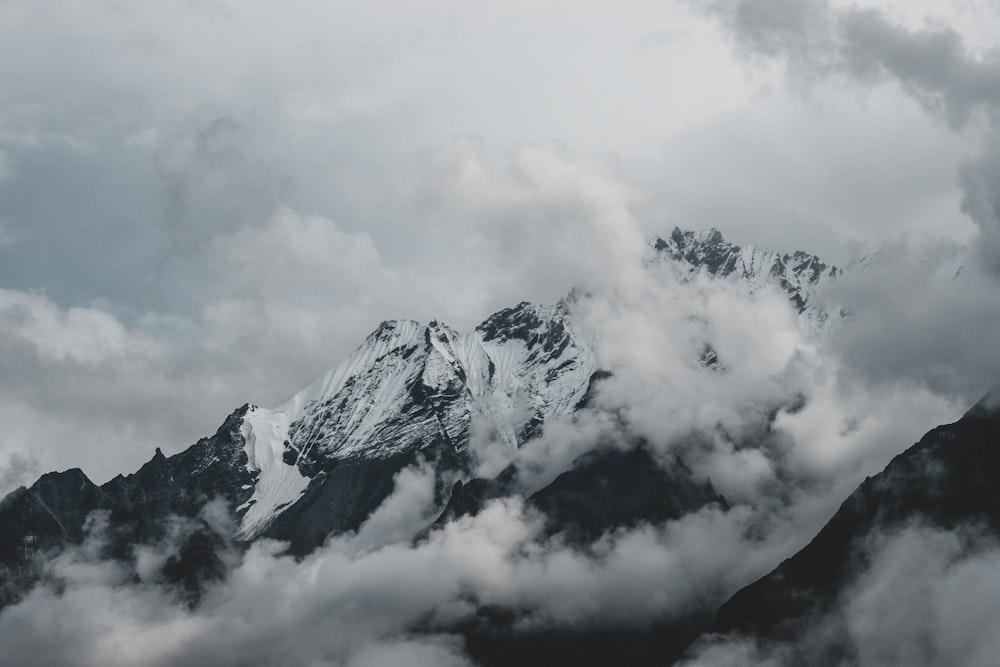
(706, 234)
(682, 239)
(708, 251)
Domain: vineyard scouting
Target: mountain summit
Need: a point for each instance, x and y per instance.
(407, 390)
(799, 274)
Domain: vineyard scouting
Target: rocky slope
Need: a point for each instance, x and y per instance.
(137, 509)
(948, 480)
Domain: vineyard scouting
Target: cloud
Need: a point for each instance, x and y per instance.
(931, 64)
(981, 201)
(928, 597)
(919, 308)
(217, 176)
(285, 298)
(935, 608)
(819, 40)
(362, 596)
(545, 219)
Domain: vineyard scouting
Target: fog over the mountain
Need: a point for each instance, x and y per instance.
(357, 600)
(213, 203)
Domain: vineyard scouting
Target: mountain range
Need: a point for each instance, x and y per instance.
(319, 465)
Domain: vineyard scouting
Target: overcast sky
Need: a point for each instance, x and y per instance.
(206, 203)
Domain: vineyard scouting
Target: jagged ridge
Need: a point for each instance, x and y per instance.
(411, 388)
(798, 274)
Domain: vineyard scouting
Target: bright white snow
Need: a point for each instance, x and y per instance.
(409, 385)
(278, 484)
(366, 405)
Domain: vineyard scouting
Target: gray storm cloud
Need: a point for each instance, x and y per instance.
(932, 65)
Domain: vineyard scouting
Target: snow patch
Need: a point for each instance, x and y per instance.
(412, 386)
(278, 484)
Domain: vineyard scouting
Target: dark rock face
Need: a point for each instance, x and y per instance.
(469, 498)
(182, 484)
(338, 500)
(949, 479)
(522, 322)
(609, 488)
(52, 514)
(345, 493)
(606, 489)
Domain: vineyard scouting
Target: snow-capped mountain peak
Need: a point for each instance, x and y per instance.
(799, 273)
(409, 387)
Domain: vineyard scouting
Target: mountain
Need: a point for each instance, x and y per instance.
(799, 274)
(138, 509)
(322, 462)
(948, 480)
(325, 459)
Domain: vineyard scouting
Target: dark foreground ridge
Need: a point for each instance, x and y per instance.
(950, 479)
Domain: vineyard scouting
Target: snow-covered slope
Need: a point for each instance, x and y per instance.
(409, 386)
